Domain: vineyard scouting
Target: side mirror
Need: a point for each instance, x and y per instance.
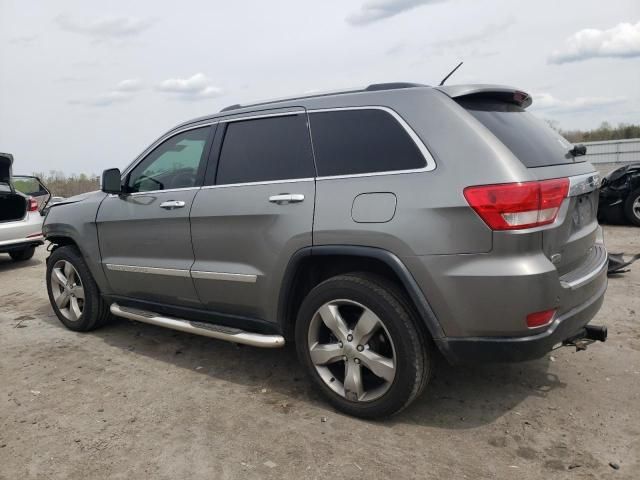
(111, 182)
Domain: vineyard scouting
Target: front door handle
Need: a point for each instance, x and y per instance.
(171, 204)
(285, 198)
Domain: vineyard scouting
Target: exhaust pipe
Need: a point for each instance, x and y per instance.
(597, 333)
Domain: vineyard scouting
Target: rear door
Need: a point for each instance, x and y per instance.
(144, 234)
(254, 213)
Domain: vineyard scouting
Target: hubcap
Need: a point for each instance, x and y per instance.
(67, 289)
(636, 207)
(352, 350)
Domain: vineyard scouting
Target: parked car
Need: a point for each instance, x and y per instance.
(371, 227)
(620, 195)
(20, 218)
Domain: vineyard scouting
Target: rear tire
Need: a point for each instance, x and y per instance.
(341, 360)
(632, 207)
(73, 293)
(24, 254)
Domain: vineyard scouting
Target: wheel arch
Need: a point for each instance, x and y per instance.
(312, 265)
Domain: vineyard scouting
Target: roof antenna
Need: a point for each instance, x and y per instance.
(450, 73)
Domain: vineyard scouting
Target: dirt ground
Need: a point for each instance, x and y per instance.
(137, 401)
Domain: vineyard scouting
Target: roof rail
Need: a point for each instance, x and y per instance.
(371, 88)
(231, 107)
(374, 87)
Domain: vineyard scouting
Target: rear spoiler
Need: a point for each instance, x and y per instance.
(492, 92)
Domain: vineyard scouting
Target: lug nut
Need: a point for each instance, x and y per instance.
(344, 358)
(360, 348)
(357, 360)
(349, 337)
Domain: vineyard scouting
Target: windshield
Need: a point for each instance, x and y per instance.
(530, 139)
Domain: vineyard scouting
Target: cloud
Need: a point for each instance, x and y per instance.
(192, 88)
(548, 103)
(375, 10)
(488, 31)
(123, 92)
(621, 41)
(129, 85)
(24, 40)
(104, 28)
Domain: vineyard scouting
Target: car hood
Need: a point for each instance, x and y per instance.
(621, 172)
(78, 198)
(6, 160)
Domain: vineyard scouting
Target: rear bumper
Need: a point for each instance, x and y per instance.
(518, 349)
(21, 244)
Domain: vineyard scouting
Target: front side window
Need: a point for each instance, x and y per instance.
(173, 164)
(266, 149)
(348, 142)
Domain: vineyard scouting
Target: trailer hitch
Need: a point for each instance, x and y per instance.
(586, 336)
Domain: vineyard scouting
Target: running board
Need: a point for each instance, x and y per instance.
(220, 332)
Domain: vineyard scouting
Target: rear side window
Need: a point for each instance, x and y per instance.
(264, 149)
(530, 139)
(362, 141)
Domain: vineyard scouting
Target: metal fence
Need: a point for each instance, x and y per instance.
(613, 151)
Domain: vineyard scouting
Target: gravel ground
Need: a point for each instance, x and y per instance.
(137, 401)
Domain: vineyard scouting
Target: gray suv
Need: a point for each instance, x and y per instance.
(375, 228)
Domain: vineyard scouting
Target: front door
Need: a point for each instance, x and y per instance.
(144, 234)
(255, 214)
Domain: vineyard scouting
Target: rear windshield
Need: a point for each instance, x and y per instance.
(530, 139)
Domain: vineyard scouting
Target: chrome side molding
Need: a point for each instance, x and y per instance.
(219, 332)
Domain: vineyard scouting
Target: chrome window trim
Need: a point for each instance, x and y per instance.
(147, 192)
(164, 137)
(429, 160)
(250, 116)
(172, 272)
(232, 277)
(585, 183)
(267, 182)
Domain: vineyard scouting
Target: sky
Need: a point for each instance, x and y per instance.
(86, 85)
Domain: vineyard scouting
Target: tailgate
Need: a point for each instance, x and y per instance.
(572, 244)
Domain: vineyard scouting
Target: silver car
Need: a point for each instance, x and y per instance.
(373, 228)
(21, 200)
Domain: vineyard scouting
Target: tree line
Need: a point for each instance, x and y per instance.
(61, 185)
(605, 131)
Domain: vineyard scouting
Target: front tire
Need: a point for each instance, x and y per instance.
(24, 254)
(73, 293)
(359, 341)
(632, 207)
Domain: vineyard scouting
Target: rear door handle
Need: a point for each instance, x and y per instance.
(171, 204)
(284, 198)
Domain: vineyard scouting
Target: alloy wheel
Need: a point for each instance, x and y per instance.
(67, 289)
(352, 350)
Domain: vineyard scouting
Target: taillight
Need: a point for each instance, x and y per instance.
(540, 319)
(513, 206)
(33, 205)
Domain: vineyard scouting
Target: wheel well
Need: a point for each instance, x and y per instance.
(314, 269)
(57, 242)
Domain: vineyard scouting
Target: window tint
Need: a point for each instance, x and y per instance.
(173, 164)
(530, 139)
(362, 141)
(273, 148)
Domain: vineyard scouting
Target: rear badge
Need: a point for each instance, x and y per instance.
(556, 258)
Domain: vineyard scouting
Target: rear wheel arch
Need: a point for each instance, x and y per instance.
(311, 266)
